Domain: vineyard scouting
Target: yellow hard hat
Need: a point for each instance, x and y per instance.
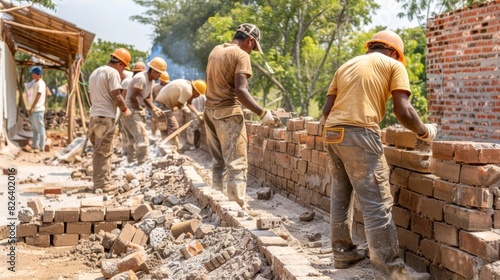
(158, 64)
(391, 39)
(165, 77)
(123, 55)
(139, 67)
(200, 86)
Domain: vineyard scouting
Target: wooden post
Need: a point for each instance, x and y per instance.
(71, 101)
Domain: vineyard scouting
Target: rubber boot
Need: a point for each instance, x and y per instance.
(344, 251)
(384, 255)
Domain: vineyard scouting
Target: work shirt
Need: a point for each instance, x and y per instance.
(363, 86)
(176, 93)
(102, 82)
(32, 89)
(199, 102)
(224, 62)
(139, 81)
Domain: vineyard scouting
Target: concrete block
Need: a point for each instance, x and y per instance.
(468, 219)
(92, 214)
(60, 240)
(79, 227)
(485, 244)
(117, 213)
(67, 215)
(38, 240)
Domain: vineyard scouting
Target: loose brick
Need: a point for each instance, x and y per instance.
(141, 210)
(431, 250)
(485, 245)
(79, 227)
(67, 215)
(128, 232)
(60, 240)
(119, 246)
(132, 262)
(140, 238)
(38, 240)
(117, 213)
(406, 139)
(48, 215)
(446, 234)
(105, 226)
(36, 205)
(432, 208)
(468, 219)
(459, 261)
(421, 183)
(448, 171)
(52, 228)
(23, 230)
(480, 175)
(92, 214)
(52, 191)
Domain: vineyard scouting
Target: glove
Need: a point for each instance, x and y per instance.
(268, 119)
(200, 117)
(430, 134)
(158, 112)
(126, 113)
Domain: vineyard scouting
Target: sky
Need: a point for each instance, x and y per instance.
(110, 19)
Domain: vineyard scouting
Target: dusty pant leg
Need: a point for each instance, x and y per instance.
(231, 132)
(340, 201)
(361, 152)
(154, 126)
(172, 126)
(192, 129)
(123, 137)
(128, 131)
(38, 126)
(141, 138)
(218, 167)
(101, 134)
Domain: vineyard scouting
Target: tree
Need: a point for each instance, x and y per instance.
(44, 3)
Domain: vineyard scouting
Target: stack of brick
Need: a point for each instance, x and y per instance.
(64, 227)
(292, 159)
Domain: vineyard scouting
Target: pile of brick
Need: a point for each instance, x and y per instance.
(292, 159)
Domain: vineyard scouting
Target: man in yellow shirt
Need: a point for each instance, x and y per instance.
(354, 107)
(228, 70)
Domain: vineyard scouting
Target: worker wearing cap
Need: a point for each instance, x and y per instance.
(355, 106)
(138, 67)
(164, 80)
(36, 94)
(173, 97)
(228, 70)
(105, 97)
(139, 92)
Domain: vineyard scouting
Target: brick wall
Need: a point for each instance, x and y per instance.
(463, 77)
(446, 196)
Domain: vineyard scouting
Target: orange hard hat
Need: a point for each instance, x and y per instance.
(158, 64)
(200, 86)
(139, 67)
(391, 39)
(123, 55)
(165, 77)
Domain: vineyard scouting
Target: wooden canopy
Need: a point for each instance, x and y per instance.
(53, 40)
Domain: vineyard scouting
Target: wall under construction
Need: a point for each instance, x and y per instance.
(446, 198)
(463, 78)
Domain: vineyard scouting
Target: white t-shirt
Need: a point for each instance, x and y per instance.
(175, 93)
(142, 82)
(102, 82)
(32, 89)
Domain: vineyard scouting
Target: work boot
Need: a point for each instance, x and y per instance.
(384, 255)
(108, 188)
(344, 251)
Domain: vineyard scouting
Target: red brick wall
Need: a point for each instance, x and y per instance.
(463, 76)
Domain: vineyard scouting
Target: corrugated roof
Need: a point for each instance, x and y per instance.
(32, 31)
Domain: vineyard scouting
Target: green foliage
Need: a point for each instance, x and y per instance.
(44, 3)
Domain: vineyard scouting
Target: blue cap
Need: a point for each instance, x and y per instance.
(36, 70)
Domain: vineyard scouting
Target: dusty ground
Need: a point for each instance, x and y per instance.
(58, 263)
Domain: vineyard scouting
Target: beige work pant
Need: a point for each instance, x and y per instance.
(227, 142)
(137, 138)
(101, 135)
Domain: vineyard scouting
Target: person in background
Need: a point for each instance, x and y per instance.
(355, 106)
(105, 96)
(193, 132)
(228, 70)
(36, 94)
(173, 97)
(138, 93)
(164, 80)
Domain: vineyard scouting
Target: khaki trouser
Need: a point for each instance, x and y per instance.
(137, 137)
(227, 142)
(172, 125)
(193, 129)
(359, 165)
(101, 135)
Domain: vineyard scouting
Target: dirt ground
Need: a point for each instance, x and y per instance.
(58, 263)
